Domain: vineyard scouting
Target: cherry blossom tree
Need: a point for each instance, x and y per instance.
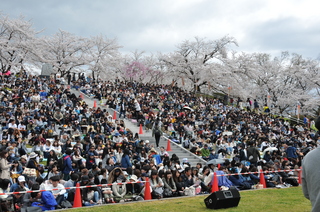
(194, 61)
(65, 51)
(17, 39)
(102, 54)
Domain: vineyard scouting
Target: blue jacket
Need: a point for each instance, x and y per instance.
(48, 202)
(236, 180)
(291, 152)
(67, 164)
(223, 180)
(125, 162)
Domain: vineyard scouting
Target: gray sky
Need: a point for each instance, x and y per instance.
(267, 26)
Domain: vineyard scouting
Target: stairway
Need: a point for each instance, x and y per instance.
(176, 148)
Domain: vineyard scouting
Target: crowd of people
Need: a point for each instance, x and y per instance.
(71, 142)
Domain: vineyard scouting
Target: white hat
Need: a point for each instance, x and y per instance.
(21, 179)
(33, 155)
(147, 141)
(134, 178)
(24, 157)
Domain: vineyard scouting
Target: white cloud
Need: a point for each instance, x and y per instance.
(266, 25)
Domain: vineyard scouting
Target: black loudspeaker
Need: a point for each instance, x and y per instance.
(223, 199)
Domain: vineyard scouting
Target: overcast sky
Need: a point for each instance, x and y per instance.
(267, 26)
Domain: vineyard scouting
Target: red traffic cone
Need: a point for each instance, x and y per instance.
(218, 166)
(140, 129)
(262, 180)
(169, 145)
(215, 186)
(114, 115)
(147, 191)
(94, 103)
(300, 175)
(77, 202)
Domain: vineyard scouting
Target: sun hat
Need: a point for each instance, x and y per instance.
(134, 178)
(33, 155)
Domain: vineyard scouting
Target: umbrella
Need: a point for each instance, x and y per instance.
(187, 108)
(270, 149)
(215, 161)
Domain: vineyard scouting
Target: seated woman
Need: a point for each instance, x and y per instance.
(56, 147)
(53, 172)
(114, 174)
(90, 195)
(107, 192)
(178, 181)
(46, 148)
(52, 158)
(157, 185)
(119, 191)
(170, 188)
(16, 170)
(133, 189)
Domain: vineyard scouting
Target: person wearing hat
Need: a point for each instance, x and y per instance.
(16, 170)
(33, 164)
(21, 183)
(133, 187)
(116, 138)
(23, 160)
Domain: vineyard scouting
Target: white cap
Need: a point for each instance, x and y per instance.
(21, 179)
(147, 141)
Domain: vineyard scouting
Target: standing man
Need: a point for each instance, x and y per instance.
(156, 131)
(253, 153)
(123, 108)
(311, 175)
(67, 165)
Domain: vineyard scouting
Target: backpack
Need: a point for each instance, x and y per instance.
(157, 131)
(61, 163)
